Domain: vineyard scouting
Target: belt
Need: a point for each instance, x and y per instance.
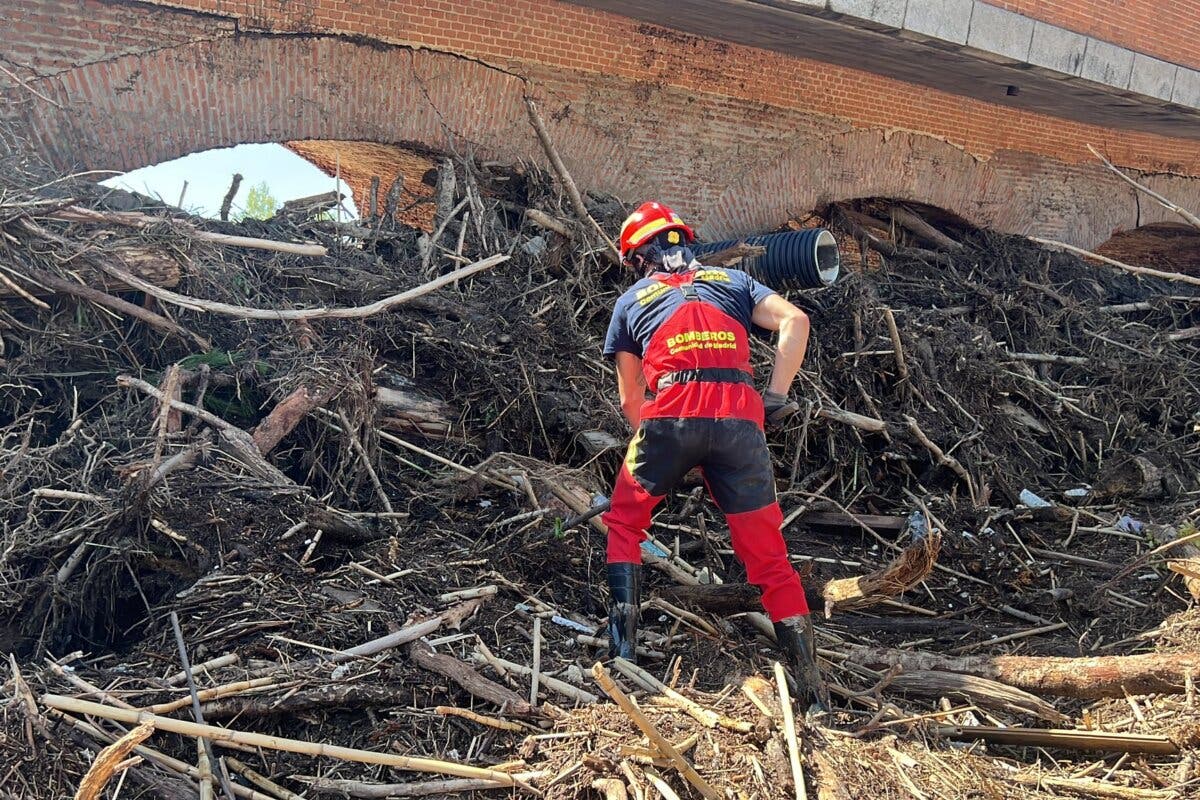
(707, 375)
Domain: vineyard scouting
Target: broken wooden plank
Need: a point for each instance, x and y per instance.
(854, 522)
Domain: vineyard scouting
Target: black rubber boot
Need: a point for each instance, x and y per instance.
(625, 583)
(795, 637)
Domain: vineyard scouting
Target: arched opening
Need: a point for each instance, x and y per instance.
(345, 180)
(1166, 246)
(244, 181)
(869, 229)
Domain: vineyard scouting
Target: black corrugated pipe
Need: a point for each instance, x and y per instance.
(807, 259)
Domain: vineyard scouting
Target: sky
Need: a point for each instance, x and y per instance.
(208, 175)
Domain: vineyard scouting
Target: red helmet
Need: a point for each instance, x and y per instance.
(647, 222)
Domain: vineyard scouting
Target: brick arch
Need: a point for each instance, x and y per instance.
(141, 109)
(732, 165)
(1013, 192)
(813, 172)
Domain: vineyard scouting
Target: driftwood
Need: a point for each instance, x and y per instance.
(789, 733)
(911, 567)
(1138, 478)
(216, 734)
(1186, 562)
(857, 224)
(1107, 676)
(1069, 739)
(227, 201)
(1186, 215)
(357, 312)
(156, 321)
(981, 691)
(564, 177)
(286, 415)
(1112, 262)
(406, 409)
(854, 522)
(910, 220)
(134, 219)
(734, 254)
(940, 456)
(656, 738)
(443, 788)
(148, 263)
(544, 220)
(102, 769)
(462, 674)
(864, 423)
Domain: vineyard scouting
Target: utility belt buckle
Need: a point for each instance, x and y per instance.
(714, 375)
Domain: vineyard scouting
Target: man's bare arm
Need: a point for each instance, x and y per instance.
(631, 386)
(776, 314)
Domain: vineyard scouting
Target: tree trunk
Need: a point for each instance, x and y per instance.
(1088, 678)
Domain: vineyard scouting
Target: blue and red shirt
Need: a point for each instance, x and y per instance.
(656, 321)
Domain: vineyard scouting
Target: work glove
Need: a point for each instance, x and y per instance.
(777, 408)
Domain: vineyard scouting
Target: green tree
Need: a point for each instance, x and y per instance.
(260, 203)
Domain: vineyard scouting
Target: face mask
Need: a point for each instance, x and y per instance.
(671, 258)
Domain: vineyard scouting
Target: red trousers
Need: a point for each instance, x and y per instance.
(732, 453)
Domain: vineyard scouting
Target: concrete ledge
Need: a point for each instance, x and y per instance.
(1107, 63)
(1152, 77)
(1057, 49)
(884, 13)
(1187, 88)
(940, 20)
(995, 31)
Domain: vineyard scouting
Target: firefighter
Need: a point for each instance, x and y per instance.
(679, 338)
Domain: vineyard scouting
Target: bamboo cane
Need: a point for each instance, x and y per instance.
(216, 734)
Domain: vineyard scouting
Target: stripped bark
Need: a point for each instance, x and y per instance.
(286, 415)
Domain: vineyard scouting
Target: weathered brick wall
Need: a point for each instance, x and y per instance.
(1166, 29)
(739, 138)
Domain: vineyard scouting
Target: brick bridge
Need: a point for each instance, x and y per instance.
(740, 112)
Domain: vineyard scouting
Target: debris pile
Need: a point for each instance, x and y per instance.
(336, 466)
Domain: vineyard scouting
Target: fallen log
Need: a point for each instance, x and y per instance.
(1088, 678)
(406, 409)
(923, 230)
(148, 263)
(1138, 478)
(980, 691)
